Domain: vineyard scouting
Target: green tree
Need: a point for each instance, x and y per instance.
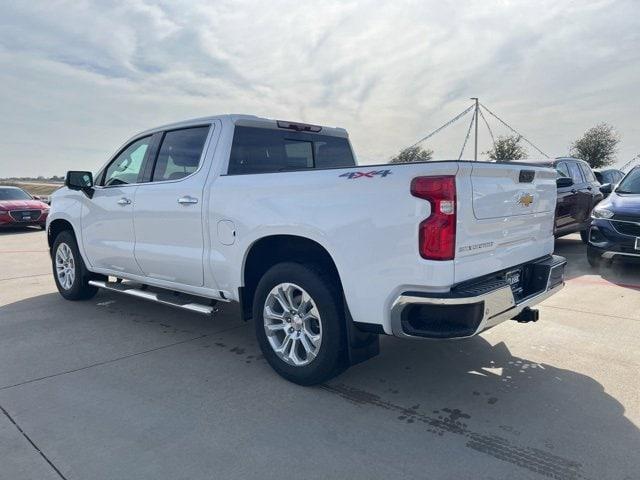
(507, 148)
(598, 146)
(413, 154)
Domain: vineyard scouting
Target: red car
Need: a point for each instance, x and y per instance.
(19, 209)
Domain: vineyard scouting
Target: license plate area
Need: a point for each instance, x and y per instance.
(526, 280)
(25, 215)
(514, 280)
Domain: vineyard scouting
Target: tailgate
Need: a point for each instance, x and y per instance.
(507, 219)
(507, 190)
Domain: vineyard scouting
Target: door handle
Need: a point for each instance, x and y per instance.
(573, 190)
(589, 188)
(187, 200)
(124, 201)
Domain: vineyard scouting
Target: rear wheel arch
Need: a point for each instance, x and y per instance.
(264, 254)
(268, 251)
(303, 337)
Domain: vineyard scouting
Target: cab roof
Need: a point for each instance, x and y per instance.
(249, 120)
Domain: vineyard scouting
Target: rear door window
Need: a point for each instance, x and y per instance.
(588, 174)
(180, 153)
(266, 150)
(575, 173)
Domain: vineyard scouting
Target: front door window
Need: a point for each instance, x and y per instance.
(126, 167)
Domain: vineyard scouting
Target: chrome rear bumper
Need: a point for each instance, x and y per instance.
(489, 308)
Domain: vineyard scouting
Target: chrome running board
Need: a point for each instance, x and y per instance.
(183, 301)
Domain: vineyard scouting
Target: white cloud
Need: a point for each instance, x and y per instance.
(78, 78)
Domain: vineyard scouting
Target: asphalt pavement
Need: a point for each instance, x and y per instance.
(119, 388)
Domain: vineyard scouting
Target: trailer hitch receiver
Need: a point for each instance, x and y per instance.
(527, 315)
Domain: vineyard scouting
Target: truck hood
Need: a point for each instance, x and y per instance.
(627, 204)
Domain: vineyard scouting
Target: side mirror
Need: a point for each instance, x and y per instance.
(607, 188)
(82, 181)
(563, 182)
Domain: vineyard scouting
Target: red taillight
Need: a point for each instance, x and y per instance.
(438, 232)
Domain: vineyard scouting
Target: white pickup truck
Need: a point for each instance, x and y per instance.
(324, 254)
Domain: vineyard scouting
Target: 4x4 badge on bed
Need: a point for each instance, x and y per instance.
(371, 174)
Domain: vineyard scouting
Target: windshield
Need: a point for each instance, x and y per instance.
(13, 194)
(630, 183)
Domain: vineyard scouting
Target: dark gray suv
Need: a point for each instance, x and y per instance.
(578, 192)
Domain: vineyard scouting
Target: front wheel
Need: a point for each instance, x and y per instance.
(70, 274)
(299, 323)
(584, 236)
(593, 257)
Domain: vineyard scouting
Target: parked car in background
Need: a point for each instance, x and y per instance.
(611, 175)
(19, 209)
(615, 225)
(578, 192)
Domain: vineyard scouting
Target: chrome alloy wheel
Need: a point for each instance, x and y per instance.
(65, 266)
(292, 324)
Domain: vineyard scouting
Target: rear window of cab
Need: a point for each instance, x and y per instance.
(265, 150)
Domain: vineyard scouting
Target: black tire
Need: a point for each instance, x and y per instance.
(584, 236)
(80, 288)
(593, 257)
(325, 293)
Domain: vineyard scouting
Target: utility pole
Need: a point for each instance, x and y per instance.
(475, 116)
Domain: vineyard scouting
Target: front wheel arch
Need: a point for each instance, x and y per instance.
(79, 288)
(56, 227)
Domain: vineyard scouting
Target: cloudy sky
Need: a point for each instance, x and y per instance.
(77, 78)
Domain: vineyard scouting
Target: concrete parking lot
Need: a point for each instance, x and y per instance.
(118, 388)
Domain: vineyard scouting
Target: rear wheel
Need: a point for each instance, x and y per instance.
(299, 323)
(69, 271)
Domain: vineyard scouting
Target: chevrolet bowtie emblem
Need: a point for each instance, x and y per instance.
(525, 200)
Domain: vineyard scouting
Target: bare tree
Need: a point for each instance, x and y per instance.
(507, 148)
(413, 154)
(598, 146)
